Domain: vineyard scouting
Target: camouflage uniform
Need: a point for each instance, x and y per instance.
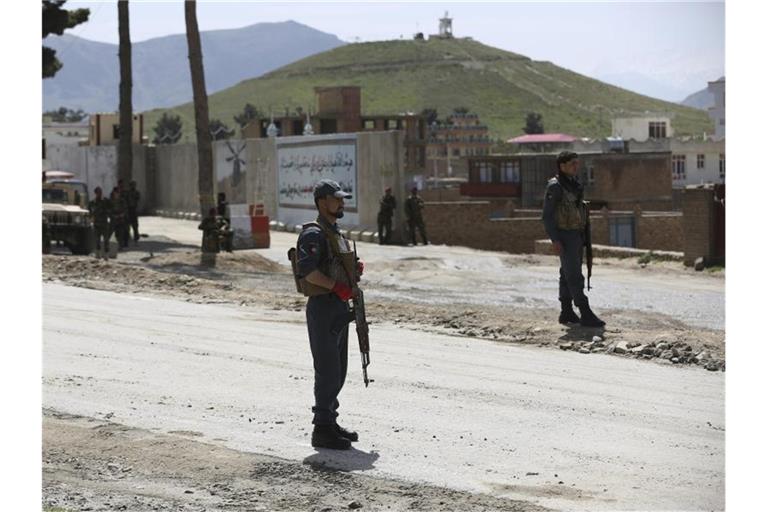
(216, 234)
(100, 210)
(119, 218)
(387, 207)
(413, 207)
(132, 198)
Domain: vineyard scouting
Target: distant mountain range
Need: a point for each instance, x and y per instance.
(702, 99)
(411, 75)
(90, 77)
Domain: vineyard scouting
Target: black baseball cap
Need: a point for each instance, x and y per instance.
(325, 188)
(566, 156)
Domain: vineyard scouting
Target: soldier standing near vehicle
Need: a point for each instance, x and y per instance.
(565, 220)
(132, 198)
(326, 269)
(413, 206)
(100, 210)
(387, 206)
(119, 218)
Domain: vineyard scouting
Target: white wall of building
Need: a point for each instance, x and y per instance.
(717, 113)
(637, 127)
(710, 173)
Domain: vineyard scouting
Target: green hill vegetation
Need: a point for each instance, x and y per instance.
(400, 76)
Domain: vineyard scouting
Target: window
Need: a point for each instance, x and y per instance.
(700, 159)
(657, 129)
(456, 152)
(369, 124)
(510, 172)
(722, 166)
(485, 172)
(115, 131)
(678, 167)
(588, 176)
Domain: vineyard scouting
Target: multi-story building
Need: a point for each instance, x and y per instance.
(717, 113)
(615, 180)
(338, 110)
(450, 143)
(697, 162)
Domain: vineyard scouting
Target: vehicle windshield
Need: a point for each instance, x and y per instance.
(54, 195)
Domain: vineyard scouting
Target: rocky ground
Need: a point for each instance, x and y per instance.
(93, 464)
(247, 278)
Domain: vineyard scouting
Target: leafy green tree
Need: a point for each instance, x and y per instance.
(55, 21)
(461, 110)
(167, 130)
(248, 114)
(219, 130)
(533, 123)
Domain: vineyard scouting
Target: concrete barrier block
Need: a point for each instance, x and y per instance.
(369, 236)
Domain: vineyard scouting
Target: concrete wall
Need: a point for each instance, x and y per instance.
(176, 178)
(698, 211)
(97, 166)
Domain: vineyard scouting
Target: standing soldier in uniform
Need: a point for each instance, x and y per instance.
(132, 198)
(323, 262)
(100, 211)
(387, 206)
(413, 206)
(565, 218)
(222, 206)
(119, 218)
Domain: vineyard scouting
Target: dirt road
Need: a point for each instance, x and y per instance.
(547, 427)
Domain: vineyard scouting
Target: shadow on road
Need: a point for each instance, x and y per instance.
(346, 460)
(579, 333)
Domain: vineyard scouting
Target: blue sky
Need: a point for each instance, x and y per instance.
(667, 49)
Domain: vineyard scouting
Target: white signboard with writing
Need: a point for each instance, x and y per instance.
(303, 161)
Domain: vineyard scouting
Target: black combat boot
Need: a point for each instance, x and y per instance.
(346, 434)
(326, 436)
(567, 314)
(589, 318)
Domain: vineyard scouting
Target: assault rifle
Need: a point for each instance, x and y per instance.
(588, 245)
(358, 309)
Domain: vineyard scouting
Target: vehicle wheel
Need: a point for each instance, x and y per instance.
(84, 245)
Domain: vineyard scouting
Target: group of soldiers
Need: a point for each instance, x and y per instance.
(117, 214)
(327, 271)
(413, 207)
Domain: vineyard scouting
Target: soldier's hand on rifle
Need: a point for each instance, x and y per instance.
(557, 247)
(343, 291)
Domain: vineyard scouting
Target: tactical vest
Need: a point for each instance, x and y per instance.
(339, 266)
(571, 212)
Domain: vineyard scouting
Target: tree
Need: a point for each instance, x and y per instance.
(461, 110)
(220, 131)
(167, 130)
(431, 115)
(533, 123)
(125, 142)
(248, 114)
(55, 21)
(65, 115)
(200, 98)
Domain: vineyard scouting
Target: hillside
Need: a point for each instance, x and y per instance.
(702, 99)
(161, 69)
(398, 76)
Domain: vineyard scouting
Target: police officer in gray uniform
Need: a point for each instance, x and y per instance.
(565, 218)
(328, 284)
